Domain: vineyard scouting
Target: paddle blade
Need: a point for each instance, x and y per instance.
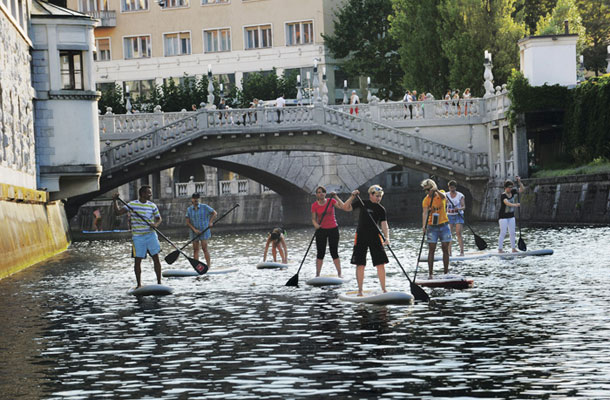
(521, 244)
(172, 257)
(481, 244)
(419, 293)
(199, 266)
(294, 281)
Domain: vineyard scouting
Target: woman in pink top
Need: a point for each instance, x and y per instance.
(327, 229)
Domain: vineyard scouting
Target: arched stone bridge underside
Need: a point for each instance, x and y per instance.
(203, 137)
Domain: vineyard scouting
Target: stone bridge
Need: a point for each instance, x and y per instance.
(434, 137)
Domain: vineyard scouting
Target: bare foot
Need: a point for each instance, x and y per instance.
(430, 277)
(359, 294)
(461, 254)
(501, 251)
(515, 251)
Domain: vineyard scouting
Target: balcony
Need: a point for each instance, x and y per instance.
(107, 17)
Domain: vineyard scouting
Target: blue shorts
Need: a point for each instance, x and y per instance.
(148, 243)
(436, 232)
(456, 219)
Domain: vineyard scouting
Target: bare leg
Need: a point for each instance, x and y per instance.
(138, 271)
(431, 249)
(206, 253)
(451, 244)
(381, 276)
(274, 252)
(196, 250)
(337, 262)
(157, 264)
(458, 233)
(445, 248)
(318, 266)
(360, 278)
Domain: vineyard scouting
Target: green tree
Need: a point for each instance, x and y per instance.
(596, 20)
(529, 12)
(415, 26)
(112, 97)
(468, 28)
(363, 46)
(553, 23)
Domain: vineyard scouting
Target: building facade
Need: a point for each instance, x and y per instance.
(142, 43)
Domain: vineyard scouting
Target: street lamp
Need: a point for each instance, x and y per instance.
(210, 88)
(608, 60)
(345, 99)
(299, 91)
(127, 100)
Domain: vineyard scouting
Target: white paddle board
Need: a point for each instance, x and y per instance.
(475, 255)
(377, 297)
(447, 281)
(271, 265)
(151, 290)
(325, 281)
(509, 254)
(179, 273)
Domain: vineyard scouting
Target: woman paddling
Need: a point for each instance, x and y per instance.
(506, 217)
(278, 244)
(455, 211)
(367, 236)
(327, 229)
(435, 223)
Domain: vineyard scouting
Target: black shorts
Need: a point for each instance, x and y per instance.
(375, 244)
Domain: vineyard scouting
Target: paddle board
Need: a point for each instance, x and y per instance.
(325, 281)
(113, 231)
(447, 281)
(377, 297)
(179, 273)
(475, 255)
(271, 265)
(151, 290)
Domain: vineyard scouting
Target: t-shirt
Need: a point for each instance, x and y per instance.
(148, 211)
(506, 211)
(200, 217)
(366, 229)
(438, 206)
(329, 221)
(453, 203)
(280, 102)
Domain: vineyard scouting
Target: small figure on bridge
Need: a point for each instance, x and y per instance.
(144, 237)
(327, 229)
(200, 217)
(435, 223)
(280, 103)
(455, 211)
(276, 239)
(367, 234)
(354, 100)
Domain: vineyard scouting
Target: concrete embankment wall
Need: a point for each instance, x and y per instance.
(577, 199)
(30, 233)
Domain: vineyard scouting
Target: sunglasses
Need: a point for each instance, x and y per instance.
(376, 190)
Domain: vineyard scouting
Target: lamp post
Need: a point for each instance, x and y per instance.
(581, 69)
(324, 87)
(316, 82)
(299, 91)
(368, 89)
(308, 87)
(210, 88)
(608, 60)
(345, 99)
(127, 100)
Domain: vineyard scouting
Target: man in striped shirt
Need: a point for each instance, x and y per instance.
(199, 218)
(144, 216)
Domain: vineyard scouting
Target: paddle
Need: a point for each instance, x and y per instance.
(173, 256)
(199, 266)
(481, 244)
(294, 281)
(521, 243)
(421, 245)
(417, 291)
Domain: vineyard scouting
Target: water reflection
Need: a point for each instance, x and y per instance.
(530, 328)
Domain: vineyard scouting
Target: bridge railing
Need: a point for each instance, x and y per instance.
(138, 123)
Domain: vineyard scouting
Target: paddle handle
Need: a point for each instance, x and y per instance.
(421, 245)
(206, 229)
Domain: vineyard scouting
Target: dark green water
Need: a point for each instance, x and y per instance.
(530, 328)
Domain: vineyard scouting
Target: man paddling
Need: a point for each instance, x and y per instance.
(144, 237)
(198, 218)
(435, 223)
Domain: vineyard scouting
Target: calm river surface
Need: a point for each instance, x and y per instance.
(531, 328)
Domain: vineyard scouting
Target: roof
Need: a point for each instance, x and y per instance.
(41, 8)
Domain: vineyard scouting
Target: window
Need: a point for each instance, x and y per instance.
(136, 47)
(103, 50)
(134, 5)
(257, 37)
(216, 40)
(205, 2)
(177, 44)
(299, 33)
(93, 5)
(140, 89)
(71, 69)
(174, 3)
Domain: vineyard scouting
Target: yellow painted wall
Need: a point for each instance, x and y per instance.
(30, 233)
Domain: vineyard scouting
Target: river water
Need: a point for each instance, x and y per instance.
(530, 328)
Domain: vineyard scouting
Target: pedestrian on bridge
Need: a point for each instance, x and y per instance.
(144, 237)
(200, 217)
(435, 223)
(367, 234)
(354, 100)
